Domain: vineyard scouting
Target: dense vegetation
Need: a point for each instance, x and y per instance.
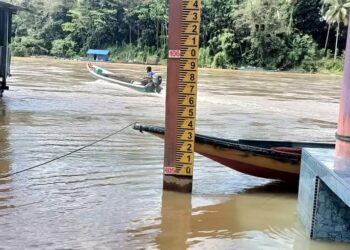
(270, 34)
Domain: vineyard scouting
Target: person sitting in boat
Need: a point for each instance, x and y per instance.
(149, 78)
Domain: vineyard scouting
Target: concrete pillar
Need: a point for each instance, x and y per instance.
(343, 132)
(4, 42)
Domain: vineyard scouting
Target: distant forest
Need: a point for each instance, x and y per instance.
(305, 35)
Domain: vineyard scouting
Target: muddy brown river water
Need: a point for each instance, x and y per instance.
(110, 196)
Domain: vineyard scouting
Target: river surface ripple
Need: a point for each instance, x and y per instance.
(110, 196)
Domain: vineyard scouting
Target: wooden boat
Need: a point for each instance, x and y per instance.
(106, 75)
(267, 159)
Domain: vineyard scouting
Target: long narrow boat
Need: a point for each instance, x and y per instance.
(106, 75)
(267, 159)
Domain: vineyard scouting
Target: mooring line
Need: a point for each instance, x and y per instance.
(70, 153)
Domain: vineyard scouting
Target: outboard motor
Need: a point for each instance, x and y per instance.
(157, 81)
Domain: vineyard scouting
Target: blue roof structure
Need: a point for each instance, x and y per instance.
(98, 52)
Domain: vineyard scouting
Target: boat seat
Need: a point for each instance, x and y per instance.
(287, 150)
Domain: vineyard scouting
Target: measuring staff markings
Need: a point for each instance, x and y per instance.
(187, 99)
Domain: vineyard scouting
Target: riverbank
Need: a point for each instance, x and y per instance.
(162, 66)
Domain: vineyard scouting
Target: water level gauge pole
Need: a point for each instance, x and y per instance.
(181, 95)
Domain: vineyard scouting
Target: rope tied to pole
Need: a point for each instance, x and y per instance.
(68, 154)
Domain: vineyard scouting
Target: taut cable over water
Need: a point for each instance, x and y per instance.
(70, 153)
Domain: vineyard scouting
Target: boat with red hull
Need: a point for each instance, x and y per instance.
(278, 160)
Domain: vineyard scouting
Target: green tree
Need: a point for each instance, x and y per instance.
(274, 34)
(307, 18)
(337, 13)
(63, 48)
(268, 23)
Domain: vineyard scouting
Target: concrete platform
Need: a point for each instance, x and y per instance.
(324, 195)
